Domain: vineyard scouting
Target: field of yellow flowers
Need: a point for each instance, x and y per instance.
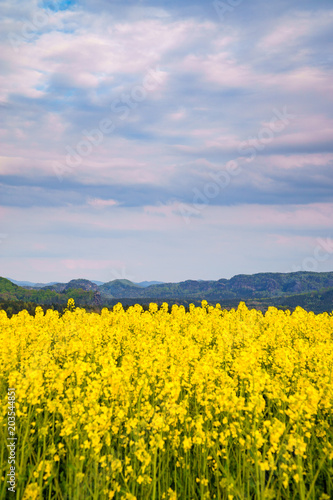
(156, 404)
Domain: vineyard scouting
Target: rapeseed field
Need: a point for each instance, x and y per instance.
(161, 404)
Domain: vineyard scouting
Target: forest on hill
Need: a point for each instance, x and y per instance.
(312, 291)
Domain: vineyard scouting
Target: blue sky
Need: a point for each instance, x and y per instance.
(167, 141)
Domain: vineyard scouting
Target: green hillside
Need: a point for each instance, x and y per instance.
(312, 291)
(12, 292)
(262, 285)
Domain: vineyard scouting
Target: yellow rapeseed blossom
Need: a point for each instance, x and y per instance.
(169, 403)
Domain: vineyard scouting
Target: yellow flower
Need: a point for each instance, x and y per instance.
(125, 393)
(32, 492)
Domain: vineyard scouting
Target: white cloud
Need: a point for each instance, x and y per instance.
(99, 203)
(293, 28)
(218, 86)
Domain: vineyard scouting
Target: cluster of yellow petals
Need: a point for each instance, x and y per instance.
(204, 403)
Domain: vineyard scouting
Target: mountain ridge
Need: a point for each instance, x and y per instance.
(314, 292)
(31, 285)
(259, 285)
(241, 286)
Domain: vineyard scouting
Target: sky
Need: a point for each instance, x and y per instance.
(164, 140)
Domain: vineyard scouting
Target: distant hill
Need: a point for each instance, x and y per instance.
(144, 284)
(11, 292)
(120, 288)
(79, 284)
(29, 284)
(242, 286)
(313, 291)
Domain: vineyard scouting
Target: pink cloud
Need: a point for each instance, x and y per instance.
(289, 30)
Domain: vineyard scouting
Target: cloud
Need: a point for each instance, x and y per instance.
(100, 203)
(68, 67)
(293, 29)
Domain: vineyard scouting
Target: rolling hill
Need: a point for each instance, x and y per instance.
(313, 291)
(262, 285)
